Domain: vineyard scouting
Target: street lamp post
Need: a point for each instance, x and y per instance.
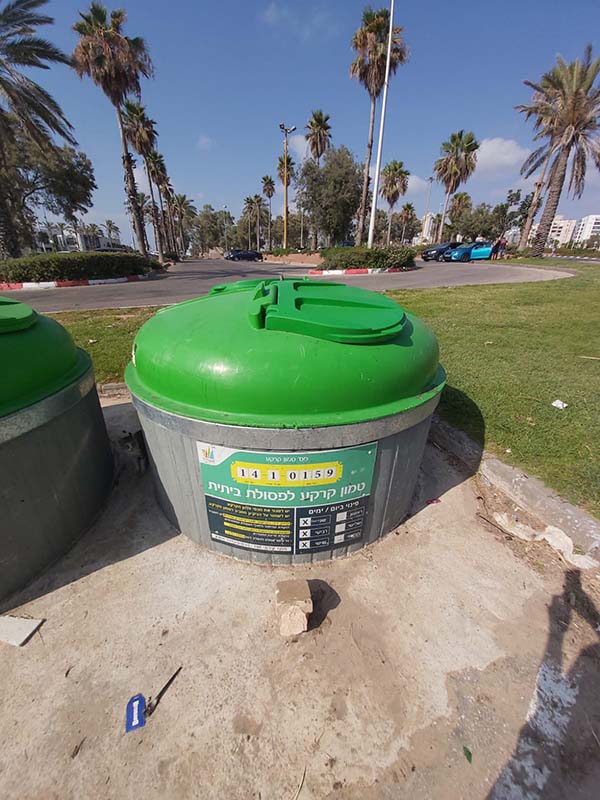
(381, 128)
(286, 132)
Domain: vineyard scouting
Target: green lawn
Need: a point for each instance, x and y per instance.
(509, 350)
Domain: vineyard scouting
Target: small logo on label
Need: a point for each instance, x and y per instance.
(207, 454)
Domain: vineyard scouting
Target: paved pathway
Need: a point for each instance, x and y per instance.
(194, 278)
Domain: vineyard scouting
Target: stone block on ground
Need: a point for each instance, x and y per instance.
(294, 603)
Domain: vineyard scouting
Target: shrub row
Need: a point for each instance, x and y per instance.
(283, 251)
(73, 266)
(394, 257)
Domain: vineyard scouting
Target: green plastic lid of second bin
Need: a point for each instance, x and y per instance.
(285, 353)
(37, 357)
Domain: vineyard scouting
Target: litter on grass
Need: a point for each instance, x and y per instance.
(559, 404)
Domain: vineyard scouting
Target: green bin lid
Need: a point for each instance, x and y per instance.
(37, 355)
(285, 353)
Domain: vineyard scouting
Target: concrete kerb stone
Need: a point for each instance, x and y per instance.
(568, 529)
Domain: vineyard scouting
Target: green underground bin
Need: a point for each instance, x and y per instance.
(285, 419)
(55, 458)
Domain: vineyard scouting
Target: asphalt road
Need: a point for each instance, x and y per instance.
(194, 278)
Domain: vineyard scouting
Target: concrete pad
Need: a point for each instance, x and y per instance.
(445, 637)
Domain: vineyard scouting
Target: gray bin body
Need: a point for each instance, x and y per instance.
(174, 462)
(56, 469)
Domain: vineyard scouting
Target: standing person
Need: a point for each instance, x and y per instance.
(495, 248)
(502, 248)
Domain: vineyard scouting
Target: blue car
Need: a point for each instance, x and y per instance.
(474, 251)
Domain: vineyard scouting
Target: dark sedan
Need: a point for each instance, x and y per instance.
(243, 255)
(436, 253)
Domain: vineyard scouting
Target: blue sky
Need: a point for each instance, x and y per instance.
(227, 74)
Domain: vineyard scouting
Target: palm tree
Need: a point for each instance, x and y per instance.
(370, 43)
(248, 211)
(50, 230)
(23, 103)
(461, 203)
(268, 188)
(112, 229)
(566, 111)
(185, 211)
(62, 227)
(394, 182)
(142, 201)
(291, 169)
(258, 204)
(456, 165)
(158, 171)
(141, 135)
(318, 134)
(408, 216)
(115, 63)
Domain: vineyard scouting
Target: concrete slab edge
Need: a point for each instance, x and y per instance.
(569, 529)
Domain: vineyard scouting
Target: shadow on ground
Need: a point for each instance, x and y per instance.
(557, 754)
(440, 472)
(116, 536)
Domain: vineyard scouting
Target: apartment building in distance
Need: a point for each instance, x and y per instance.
(561, 231)
(587, 228)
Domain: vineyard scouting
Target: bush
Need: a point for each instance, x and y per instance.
(73, 266)
(394, 257)
(282, 251)
(171, 256)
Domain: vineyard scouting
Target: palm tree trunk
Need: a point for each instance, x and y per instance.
(258, 230)
(269, 224)
(130, 189)
(539, 185)
(362, 210)
(389, 231)
(157, 240)
(556, 185)
(182, 235)
(443, 219)
(403, 231)
(249, 235)
(163, 231)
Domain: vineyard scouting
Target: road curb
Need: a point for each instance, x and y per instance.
(363, 271)
(18, 285)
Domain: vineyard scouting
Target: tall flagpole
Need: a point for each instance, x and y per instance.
(381, 129)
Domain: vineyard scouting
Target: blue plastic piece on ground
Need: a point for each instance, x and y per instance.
(135, 714)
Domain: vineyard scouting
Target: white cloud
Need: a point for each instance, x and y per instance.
(204, 143)
(298, 145)
(416, 185)
(305, 23)
(499, 155)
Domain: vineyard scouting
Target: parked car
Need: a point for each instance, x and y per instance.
(474, 251)
(436, 253)
(243, 255)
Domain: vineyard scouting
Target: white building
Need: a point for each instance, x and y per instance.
(561, 231)
(428, 231)
(586, 228)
